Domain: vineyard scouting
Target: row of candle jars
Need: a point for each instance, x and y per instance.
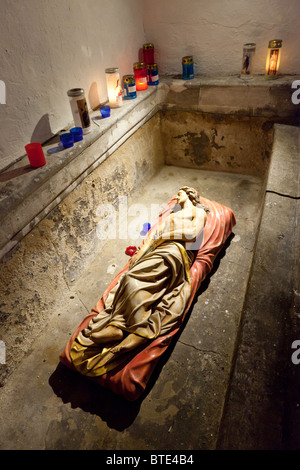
(272, 63)
(131, 84)
(144, 74)
(151, 65)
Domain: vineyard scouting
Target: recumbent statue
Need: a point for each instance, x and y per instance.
(150, 297)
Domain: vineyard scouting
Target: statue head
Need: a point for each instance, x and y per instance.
(192, 194)
(194, 197)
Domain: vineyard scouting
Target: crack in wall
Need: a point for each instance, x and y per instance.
(282, 194)
(199, 349)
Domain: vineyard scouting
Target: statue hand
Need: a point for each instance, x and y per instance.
(134, 258)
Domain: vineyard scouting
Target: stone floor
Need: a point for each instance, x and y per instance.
(44, 405)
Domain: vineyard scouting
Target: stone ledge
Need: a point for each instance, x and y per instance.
(232, 95)
(265, 382)
(27, 195)
(284, 176)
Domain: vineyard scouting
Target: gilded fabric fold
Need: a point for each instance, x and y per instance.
(148, 300)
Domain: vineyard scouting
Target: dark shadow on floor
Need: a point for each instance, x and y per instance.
(83, 393)
(117, 412)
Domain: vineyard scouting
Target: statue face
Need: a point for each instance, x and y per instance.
(182, 197)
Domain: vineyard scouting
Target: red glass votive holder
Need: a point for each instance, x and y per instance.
(140, 73)
(35, 154)
(148, 52)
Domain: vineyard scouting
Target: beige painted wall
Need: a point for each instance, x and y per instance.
(238, 144)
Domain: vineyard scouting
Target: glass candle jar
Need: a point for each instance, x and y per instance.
(129, 87)
(273, 58)
(152, 74)
(187, 67)
(248, 60)
(140, 73)
(114, 89)
(148, 52)
(79, 109)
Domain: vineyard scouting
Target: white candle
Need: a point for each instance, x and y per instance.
(273, 58)
(114, 89)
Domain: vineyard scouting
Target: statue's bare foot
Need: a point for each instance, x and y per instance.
(130, 342)
(107, 335)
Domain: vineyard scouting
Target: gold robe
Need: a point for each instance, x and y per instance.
(148, 300)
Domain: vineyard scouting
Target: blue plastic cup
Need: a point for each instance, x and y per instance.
(67, 140)
(77, 133)
(105, 111)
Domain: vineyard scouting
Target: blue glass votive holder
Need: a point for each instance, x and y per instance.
(105, 111)
(77, 133)
(152, 74)
(187, 67)
(67, 140)
(146, 228)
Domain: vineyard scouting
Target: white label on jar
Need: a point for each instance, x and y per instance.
(131, 89)
(154, 78)
(143, 80)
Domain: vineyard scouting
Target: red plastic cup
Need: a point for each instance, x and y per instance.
(35, 154)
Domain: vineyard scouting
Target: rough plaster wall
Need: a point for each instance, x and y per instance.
(49, 46)
(238, 144)
(35, 279)
(214, 33)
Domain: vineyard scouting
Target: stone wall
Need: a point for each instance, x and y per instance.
(238, 144)
(36, 275)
